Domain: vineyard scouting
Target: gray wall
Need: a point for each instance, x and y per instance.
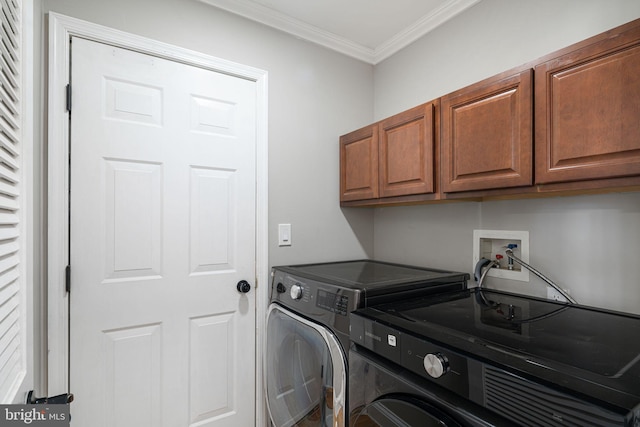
(589, 244)
(315, 95)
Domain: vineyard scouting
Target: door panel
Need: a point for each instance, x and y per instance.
(407, 151)
(487, 135)
(359, 164)
(587, 112)
(132, 367)
(212, 194)
(134, 235)
(162, 228)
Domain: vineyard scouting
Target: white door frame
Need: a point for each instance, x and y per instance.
(61, 29)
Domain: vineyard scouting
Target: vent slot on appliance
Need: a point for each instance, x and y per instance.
(531, 404)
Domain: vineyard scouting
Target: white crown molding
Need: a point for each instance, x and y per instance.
(423, 26)
(264, 15)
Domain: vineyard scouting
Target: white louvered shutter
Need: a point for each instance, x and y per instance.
(12, 295)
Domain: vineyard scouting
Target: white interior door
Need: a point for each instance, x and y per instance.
(162, 227)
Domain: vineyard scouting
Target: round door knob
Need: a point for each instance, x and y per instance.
(436, 365)
(296, 291)
(243, 286)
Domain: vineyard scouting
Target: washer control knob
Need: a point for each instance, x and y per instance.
(296, 291)
(436, 365)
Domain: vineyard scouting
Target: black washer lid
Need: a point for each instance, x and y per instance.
(598, 341)
(591, 351)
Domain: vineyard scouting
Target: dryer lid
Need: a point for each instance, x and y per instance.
(372, 275)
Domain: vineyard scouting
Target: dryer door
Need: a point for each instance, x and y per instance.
(404, 411)
(305, 372)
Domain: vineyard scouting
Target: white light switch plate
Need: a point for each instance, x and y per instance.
(284, 234)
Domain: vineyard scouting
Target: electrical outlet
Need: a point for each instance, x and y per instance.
(554, 295)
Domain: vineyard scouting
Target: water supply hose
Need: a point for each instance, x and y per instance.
(510, 254)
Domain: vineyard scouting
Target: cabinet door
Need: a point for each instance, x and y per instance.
(487, 135)
(359, 164)
(588, 112)
(407, 152)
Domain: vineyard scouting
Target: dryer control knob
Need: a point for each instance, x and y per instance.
(436, 365)
(296, 291)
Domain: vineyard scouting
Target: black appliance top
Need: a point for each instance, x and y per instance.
(590, 351)
(372, 276)
(327, 292)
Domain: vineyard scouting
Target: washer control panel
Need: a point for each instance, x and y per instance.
(332, 301)
(417, 354)
(308, 295)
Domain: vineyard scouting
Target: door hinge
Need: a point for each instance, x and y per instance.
(69, 97)
(67, 278)
(59, 399)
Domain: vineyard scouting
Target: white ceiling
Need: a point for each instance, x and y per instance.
(369, 30)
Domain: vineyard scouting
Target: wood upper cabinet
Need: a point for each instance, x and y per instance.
(394, 157)
(487, 134)
(406, 150)
(486, 140)
(359, 164)
(588, 110)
